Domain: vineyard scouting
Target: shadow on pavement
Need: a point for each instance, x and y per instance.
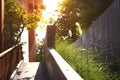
(42, 73)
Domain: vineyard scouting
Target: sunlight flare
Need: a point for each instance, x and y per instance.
(50, 14)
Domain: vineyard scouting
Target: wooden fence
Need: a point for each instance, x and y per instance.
(104, 36)
(9, 60)
(104, 33)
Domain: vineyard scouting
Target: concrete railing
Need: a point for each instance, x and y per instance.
(57, 67)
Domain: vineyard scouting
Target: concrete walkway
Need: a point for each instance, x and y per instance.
(27, 71)
(31, 71)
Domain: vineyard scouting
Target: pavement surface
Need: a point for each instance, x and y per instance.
(32, 71)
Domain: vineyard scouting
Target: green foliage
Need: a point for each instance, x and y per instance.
(38, 57)
(16, 20)
(82, 61)
(39, 49)
(13, 23)
(85, 12)
(31, 19)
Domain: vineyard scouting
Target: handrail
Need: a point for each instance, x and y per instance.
(7, 51)
(9, 60)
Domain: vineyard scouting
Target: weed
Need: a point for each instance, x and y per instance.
(82, 61)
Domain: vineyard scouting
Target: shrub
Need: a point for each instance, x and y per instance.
(82, 61)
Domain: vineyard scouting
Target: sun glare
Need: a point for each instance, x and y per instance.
(49, 15)
(51, 10)
(51, 5)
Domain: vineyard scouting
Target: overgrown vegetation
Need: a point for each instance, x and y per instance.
(91, 65)
(83, 62)
(39, 50)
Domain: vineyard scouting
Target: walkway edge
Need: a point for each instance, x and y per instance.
(16, 70)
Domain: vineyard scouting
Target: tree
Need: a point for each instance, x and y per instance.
(84, 12)
(16, 20)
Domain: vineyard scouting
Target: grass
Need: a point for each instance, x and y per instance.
(38, 57)
(82, 61)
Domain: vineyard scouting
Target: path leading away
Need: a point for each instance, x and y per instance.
(31, 71)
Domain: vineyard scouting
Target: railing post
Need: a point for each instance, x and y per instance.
(1, 24)
(50, 36)
(0, 70)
